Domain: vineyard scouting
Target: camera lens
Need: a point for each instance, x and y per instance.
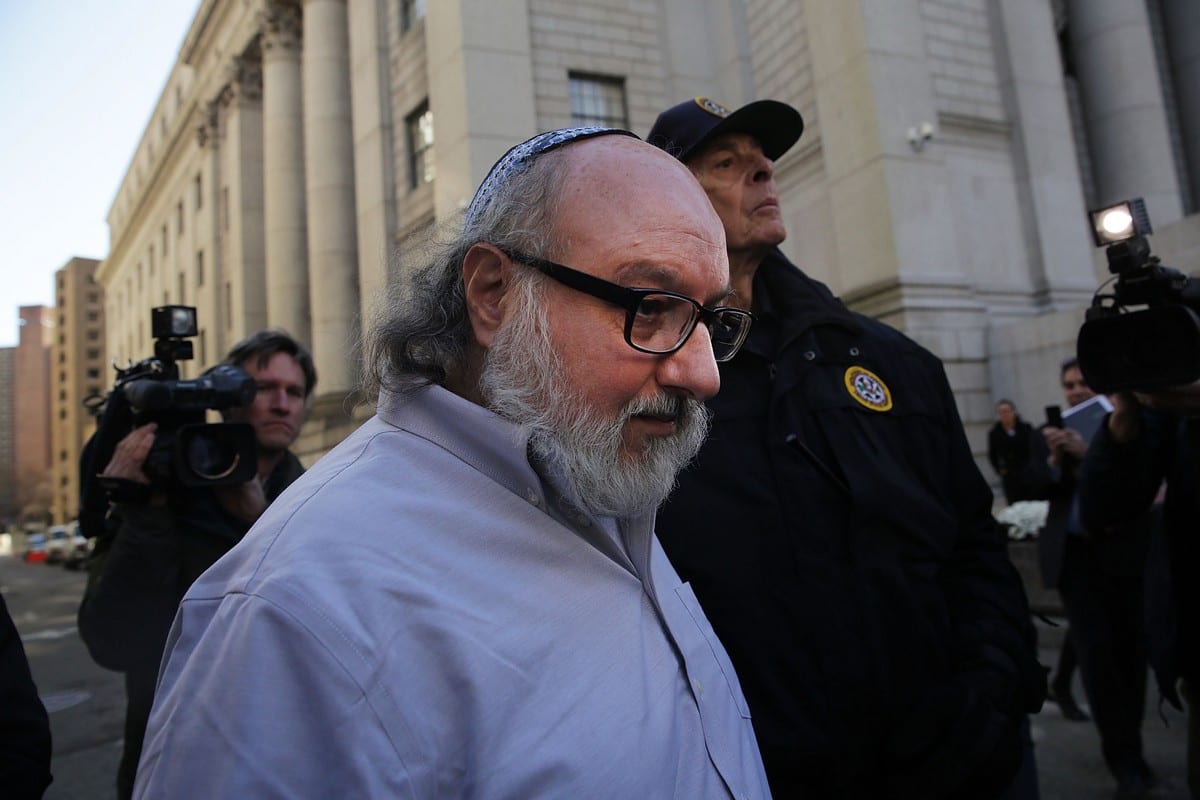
(209, 455)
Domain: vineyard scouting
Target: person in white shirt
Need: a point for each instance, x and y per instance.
(466, 597)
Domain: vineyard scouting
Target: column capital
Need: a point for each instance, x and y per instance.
(208, 121)
(245, 78)
(282, 26)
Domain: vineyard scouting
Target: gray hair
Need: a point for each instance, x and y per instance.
(421, 329)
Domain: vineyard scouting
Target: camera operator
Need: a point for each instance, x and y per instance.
(1100, 582)
(1140, 444)
(159, 539)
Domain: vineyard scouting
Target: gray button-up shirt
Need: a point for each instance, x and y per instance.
(422, 615)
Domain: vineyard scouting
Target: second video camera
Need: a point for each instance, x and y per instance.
(186, 449)
(1120, 349)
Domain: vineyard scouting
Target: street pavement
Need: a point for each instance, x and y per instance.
(1070, 766)
(86, 704)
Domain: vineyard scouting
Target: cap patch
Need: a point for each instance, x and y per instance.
(713, 107)
(868, 389)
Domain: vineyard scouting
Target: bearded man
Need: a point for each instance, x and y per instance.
(465, 597)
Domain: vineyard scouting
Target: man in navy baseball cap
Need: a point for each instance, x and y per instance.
(835, 527)
(681, 129)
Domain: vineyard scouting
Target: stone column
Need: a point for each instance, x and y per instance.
(207, 237)
(1181, 21)
(239, 277)
(329, 181)
(284, 206)
(374, 158)
(1044, 148)
(1113, 51)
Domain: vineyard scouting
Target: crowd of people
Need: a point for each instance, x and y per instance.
(644, 511)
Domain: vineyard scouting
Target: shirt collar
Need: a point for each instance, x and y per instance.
(483, 439)
(499, 449)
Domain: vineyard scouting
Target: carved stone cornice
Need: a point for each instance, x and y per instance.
(282, 26)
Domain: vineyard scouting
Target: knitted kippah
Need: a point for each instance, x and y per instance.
(518, 159)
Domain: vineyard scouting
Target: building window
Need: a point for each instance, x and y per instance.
(164, 246)
(93, 353)
(597, 100)
(199, 267)
(179, 217)
(198, 190)
(93, 374)
(225, 208)
(228, 305)
(419, 125)
(182, 289)
(410, 12)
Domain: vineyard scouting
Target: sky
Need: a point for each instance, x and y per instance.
(78, 82)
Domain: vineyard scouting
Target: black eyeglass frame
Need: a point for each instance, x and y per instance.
(630, 299)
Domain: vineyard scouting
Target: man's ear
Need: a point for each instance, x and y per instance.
(487, 276)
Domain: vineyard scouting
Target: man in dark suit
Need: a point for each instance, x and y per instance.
(1101, 585)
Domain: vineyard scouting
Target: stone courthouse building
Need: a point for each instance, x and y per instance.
(951, 151)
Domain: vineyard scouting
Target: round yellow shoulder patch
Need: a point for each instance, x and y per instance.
(868, 389)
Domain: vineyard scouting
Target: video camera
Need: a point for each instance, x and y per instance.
(187, 450)
(1156, 347)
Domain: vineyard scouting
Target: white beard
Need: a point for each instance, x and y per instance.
(524, 381)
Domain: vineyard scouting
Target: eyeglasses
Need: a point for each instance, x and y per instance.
(656, 321)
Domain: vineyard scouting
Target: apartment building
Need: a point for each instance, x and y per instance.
(31, 413)
(78, 375)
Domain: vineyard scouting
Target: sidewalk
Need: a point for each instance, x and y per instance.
(1070, 766)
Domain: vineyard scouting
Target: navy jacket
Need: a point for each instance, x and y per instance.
(839, 535)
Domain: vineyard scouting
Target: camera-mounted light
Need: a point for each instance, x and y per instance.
(1120, 222)
(175, 322)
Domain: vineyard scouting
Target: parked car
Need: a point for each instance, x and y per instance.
(35, 548)
(80, 549)
(58, 540)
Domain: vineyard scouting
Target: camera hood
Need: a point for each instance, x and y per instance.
(1141, 350)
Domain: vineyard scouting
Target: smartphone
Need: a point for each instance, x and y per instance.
(1054, 416)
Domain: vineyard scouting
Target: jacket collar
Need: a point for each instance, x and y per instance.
(798, 301)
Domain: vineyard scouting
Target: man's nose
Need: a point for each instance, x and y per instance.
(278, 398)
(692, 369)
(764, 170)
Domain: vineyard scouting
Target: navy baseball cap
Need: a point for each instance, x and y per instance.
(681, 129)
